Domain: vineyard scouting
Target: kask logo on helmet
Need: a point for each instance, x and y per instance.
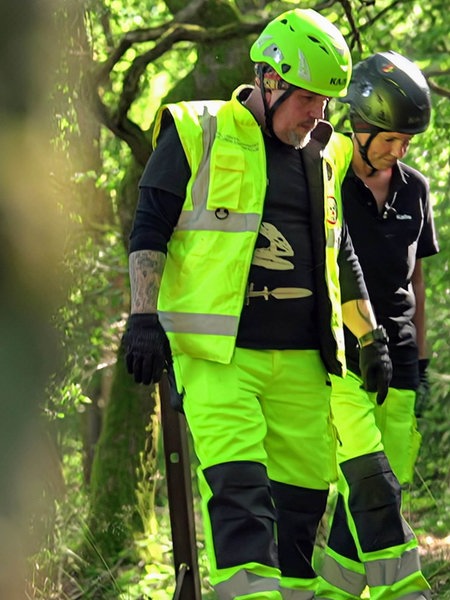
(337, 81)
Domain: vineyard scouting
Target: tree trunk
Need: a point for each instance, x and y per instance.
(116, 469)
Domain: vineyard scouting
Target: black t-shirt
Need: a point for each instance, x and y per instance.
(387, 246)
(282, 264)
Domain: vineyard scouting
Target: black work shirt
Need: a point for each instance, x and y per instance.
(388, 245)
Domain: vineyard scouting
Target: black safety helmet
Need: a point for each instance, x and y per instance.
(388, 92)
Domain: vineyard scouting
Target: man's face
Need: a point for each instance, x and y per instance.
(297, 116)
(386, 148)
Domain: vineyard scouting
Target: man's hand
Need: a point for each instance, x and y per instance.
(376, 368)
(147, 349)
(423, 390)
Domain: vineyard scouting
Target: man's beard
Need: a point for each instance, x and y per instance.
(299, 141)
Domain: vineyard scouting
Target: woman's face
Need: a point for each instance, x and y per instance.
(386, 148)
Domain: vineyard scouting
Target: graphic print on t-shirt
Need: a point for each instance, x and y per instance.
(275, 255)
(279, 310)
(273, 258)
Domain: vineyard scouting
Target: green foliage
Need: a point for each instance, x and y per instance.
(148, 479)
(89, 320)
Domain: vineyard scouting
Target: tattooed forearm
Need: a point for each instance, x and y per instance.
(146, 267)
(359, 317)
(365, 312)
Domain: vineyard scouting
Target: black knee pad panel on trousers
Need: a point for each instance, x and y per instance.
(340, 539)
(242, 514)
(299, 511)
(374, 502)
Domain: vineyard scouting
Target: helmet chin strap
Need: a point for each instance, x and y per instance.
(269, 111)
(364, 151)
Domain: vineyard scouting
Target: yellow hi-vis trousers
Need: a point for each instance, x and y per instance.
(262, 431)
(369, 543)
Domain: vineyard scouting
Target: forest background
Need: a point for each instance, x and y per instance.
(83, 500)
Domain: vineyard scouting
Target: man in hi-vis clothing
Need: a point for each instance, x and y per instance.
(242, 274)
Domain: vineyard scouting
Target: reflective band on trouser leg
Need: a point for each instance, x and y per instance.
(339, 578)
(342, 575)
(386, 544)
(397, 578)
(259, 588)
(398, 425)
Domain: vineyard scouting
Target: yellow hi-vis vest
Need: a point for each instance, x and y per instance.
(204, 283)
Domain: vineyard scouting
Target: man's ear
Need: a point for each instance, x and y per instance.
(268, 94)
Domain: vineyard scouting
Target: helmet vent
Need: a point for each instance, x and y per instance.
(285, 22)
(319, 43)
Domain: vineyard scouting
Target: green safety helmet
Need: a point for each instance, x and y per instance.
(306, 51)
(388, 92)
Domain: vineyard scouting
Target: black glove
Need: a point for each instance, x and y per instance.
(376, 368)
(147, 349)
(423, 389)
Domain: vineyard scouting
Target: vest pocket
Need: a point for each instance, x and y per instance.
(226, 177)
